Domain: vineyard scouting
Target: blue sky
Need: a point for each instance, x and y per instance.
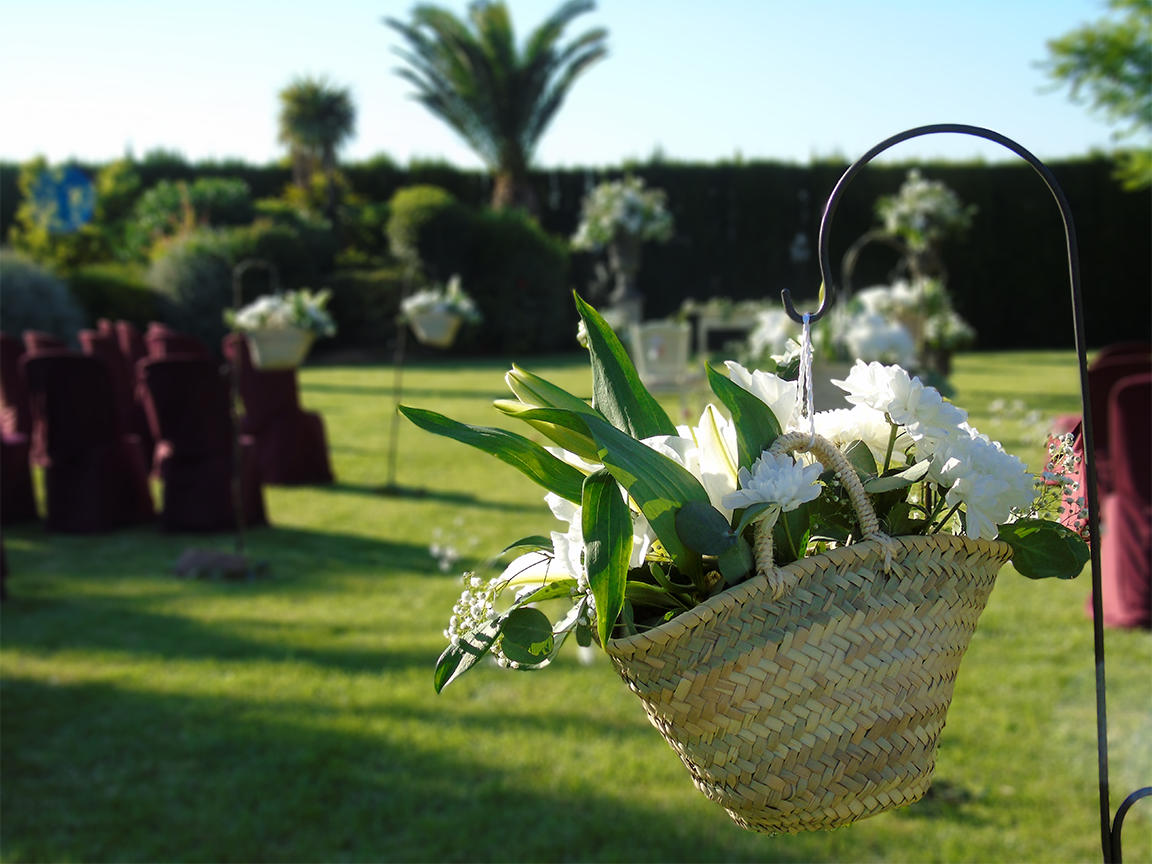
(700, 79)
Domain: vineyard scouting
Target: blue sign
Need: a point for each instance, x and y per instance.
(65, 199)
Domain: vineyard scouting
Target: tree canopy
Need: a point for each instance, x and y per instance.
(498, 96)
(1108, 65)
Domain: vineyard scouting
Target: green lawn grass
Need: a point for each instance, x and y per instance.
(148, 718)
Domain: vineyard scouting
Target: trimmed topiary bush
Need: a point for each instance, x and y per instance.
(192, 278)
(365, 304)
(34, 298)
(430, 231)
(114, 291)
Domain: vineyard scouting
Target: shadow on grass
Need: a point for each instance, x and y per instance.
(438, 496)
(93, 772)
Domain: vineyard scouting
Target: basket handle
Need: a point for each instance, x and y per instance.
(832, 459)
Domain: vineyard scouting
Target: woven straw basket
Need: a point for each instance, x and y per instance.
(825, 705)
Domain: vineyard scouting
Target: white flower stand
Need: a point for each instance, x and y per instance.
(279, 349)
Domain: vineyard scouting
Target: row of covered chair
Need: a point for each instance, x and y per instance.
(155, 402)
(1120, 391)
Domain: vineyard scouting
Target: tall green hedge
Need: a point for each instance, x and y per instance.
(736, 224)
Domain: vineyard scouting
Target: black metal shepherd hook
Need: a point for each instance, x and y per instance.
(1110, 831)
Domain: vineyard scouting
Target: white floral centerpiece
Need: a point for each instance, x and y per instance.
(667, 532)
(923, 211)
(436, 313)
(281, 327)
(622, 207)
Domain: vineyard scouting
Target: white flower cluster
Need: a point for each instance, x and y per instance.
(302, 309)
(976, 472)
(622, 206)
(923, 211)
(442, 298)
(475, 606)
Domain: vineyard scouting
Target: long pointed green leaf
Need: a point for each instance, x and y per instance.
(528, 457)
(564, 428)
(617, 391)
(607, 528)
(756, 425)
(533, 390)
(658, 485)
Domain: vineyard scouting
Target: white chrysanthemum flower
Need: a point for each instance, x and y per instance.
(907, 400)
(778, 394)
(776, 478)
(842, 426)
(982, 477)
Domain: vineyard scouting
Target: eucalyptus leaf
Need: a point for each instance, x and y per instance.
(752, 513)
(528, 637)
(617, 391)
(607, 528)
(860, 456)
(1045, 550)
(737, 562)
(756, 425)
(528, 457)
(790, 535)
(905, 518)
(459, 658)
(703, 528)
(552, 591)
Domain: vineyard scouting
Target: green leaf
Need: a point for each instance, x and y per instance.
(458, 659)
(658, 485)
(751, 514)
(1045, 550)
(564, 427)
(905, 518)
(528, 457)
(790, 536)
(893, 480)
(651, 595)
(533, 390)
(535, 543)
(737, 562)
(528, 637)
(607, 528)
(617, 391)
(756, 425)
(860, 456)
(562, 587)
(703, 528)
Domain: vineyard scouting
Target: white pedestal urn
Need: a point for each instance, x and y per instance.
(624, 259)
(279, 349)
(437, 329)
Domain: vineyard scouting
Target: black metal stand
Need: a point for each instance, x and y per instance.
(391, 487)
(1110, 830)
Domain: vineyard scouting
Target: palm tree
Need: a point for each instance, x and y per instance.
(316, 119)
(499, 98)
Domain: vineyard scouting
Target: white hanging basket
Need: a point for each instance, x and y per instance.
(279, 349)
(435, 328)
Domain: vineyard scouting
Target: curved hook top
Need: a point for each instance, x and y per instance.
(830, 287)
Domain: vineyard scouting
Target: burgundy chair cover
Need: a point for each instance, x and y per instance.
(17, 498)
(95, 478)
(1126, 542)
(1102, 376)
(163, 341)
(38, 340)
(132, 346)
(291, 445)
(1124, 349)
(187, 402)
(104, 347)
(15, 416)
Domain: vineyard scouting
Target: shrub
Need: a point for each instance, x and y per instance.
(518, 276)
(171, 208)
(33, 298)
(114, 291)
(430, 231)
(365, 304)
(192, 278)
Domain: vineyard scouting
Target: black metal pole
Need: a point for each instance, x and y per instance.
(1109, 847)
